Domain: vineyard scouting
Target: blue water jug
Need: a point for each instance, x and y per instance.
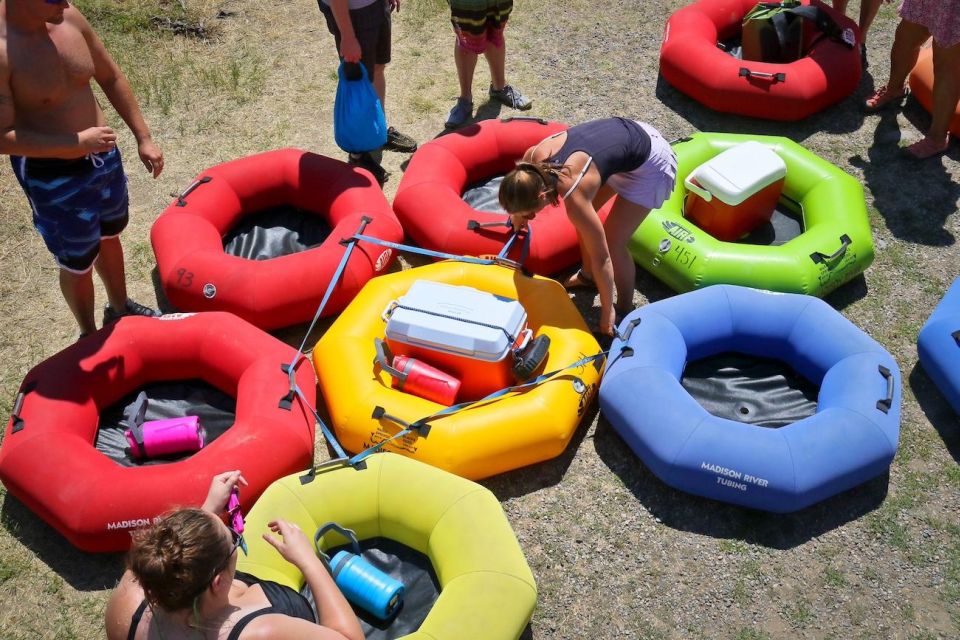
(362, 584)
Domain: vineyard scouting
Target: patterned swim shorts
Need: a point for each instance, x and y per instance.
(75, 203)
(479, 23)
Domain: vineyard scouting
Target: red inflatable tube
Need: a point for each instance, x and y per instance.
(692, 63)
(48, 460)
(429, 204)
(921, 85)
(197, 275)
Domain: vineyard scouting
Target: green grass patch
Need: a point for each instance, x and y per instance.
(834, 578)
(9, 569)
(751, 634)
(799, 614)
(734, 547)
(134, 17)
(740, 594)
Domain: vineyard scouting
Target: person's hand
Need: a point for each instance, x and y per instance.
(519, 222)
(293, 544)
(97, 139)
(608, 319)
(151, 156)
(350, 48)
(394, 5)
(219, 492)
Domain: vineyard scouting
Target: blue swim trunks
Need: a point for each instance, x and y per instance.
(75, 203)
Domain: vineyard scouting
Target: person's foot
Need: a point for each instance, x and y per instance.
(460, 113)
(368, 162)
(397, 141)
(928, 147)
(884, 97)
(579, 279)
(511, 97)
(111, 315)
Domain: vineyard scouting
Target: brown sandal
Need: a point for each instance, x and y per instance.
(883, 98)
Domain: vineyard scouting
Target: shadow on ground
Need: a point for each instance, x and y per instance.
(914, 197)
(841, 118)
(685, 512)
(545, 474)
(937, 410)
(82, 571)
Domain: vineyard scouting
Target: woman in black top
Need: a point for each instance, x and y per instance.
(585, 166)
(181, 582)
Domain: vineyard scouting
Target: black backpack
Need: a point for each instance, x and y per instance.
(773, 31)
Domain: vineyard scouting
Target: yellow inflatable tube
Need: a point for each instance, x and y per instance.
(486, 588)
(513, 431)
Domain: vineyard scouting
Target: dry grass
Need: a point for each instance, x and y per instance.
(615, 552)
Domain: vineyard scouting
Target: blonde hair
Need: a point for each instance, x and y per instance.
(521, 188)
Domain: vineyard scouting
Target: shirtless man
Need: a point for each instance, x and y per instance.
(62, 152)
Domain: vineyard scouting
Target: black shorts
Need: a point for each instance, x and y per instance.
(371, 24)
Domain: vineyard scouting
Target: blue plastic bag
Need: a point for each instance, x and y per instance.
(358, 121)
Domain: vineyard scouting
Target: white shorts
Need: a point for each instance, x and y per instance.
(650, 184)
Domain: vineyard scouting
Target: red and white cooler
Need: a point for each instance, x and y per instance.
(736, 191)
(470, 334)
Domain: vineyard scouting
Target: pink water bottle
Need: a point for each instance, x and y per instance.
(161, 437)
(417, 377)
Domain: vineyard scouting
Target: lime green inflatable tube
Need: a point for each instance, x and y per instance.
(835, 245)
(487, 591)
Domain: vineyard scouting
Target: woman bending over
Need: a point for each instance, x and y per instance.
(585, 166)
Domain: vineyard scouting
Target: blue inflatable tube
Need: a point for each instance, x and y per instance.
(851, 438)
(939, 346)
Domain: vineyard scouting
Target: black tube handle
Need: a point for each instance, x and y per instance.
(845, 242)
(181, 199)
(473, 225)
(18, 423)
(379, 413)
(625, 336)
(364, 221)
(772, 77)
(536, 119)
(885, 403)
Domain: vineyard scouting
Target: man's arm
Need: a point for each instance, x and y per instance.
(24, 142)
(117, 89)
(349, 45)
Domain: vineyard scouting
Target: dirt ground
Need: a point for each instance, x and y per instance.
(616, 553)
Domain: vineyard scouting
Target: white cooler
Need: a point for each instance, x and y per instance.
(735, 191)
(462, 331)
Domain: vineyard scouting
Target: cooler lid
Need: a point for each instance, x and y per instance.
(448, 318)
(739, 172)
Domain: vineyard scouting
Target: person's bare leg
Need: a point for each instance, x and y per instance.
(909, 38)
(946, 89)
(466, 62)
(497, 59)
(380, 83)
(946, 93)
(840, 5)
(868, 11)
(77, 289)
(619, 226)
(906, 49)
(109, 266)
(582, 277)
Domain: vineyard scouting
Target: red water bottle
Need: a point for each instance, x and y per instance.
(417, 377)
